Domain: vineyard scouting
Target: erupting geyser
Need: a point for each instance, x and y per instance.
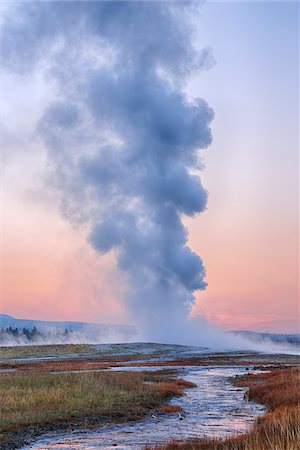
(123, 138)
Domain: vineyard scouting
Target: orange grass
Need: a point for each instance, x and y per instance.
(278, 388)
(174, 387)
(55, 366)
(66, 364)
(170, 408)
(278, 429)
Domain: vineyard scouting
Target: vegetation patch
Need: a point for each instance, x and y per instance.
(170, 408)
(27, 351)
(61, 365)
(37, 399)
(222, 359)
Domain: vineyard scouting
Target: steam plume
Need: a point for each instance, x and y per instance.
(123, 138)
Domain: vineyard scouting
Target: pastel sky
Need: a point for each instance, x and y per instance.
(247, 237)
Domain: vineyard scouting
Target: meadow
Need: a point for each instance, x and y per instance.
(91, 389)
(34, 402)
(26, 351)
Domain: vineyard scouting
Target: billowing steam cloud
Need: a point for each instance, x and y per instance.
(123, 138)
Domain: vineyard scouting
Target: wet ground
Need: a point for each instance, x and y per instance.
(214, 408)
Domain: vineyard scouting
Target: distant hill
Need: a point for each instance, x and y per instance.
(278, 338)
(5, 316)
(9, 321)
(76, 331)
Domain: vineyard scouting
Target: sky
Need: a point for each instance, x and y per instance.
(248, 235)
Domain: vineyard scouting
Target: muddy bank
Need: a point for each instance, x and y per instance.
(25, 436)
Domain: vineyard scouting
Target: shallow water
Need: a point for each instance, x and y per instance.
(214, 408)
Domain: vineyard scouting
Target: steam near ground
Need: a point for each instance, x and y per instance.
(212, 338)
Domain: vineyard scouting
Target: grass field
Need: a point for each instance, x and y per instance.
(43, 398)
(278, 429)
(26, 351)
(34, 400)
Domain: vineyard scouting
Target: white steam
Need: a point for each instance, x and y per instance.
(123, 141)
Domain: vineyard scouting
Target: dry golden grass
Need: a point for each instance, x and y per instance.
(31, 399)
(41, 397)
(279, 429)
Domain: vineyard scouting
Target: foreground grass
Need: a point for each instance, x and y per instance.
(278, 429)
(38, 399)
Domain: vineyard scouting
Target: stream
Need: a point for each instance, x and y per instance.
(215, 408)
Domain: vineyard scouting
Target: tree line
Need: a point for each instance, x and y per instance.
(30, 334)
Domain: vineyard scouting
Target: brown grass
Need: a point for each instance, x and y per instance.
(64, 364)
(94, 361)
(278, 429)
(40, 398)
(56, 366)
(278, 388)
(175, 387)
(170, 408)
